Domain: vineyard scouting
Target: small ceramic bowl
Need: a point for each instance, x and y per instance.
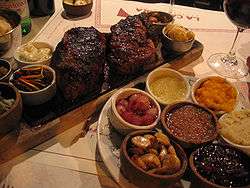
(158, 20)
(9, 120)
(77, 10)
(197, 84)
(199, 181)
(6, 65)
(40, 96)
(166, 72)
(142, 178)
(38, 45)
(177, 46)
(180, 140)
(244, 148)
(118, 122)
(155, 21)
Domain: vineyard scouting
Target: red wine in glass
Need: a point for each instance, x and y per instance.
(229, 65)
(238, 11)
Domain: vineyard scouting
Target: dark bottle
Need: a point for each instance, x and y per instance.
(41, 7)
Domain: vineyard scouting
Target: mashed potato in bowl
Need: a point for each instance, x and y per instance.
(235, 127)
(30, 53)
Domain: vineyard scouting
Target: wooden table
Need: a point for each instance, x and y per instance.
(71, 159)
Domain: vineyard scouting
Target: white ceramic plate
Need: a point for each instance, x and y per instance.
(109, 142)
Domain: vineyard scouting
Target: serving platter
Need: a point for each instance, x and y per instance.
(45, 121)
(58, 106)
(109, 140)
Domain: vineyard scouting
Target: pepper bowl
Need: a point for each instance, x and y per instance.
(185, 143)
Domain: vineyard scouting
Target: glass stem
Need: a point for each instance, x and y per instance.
(171, 6)
(232, 51)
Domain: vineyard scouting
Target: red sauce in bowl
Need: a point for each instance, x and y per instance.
(191, 123)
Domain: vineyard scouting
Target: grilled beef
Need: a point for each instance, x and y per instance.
(130, 49)
(79, 62)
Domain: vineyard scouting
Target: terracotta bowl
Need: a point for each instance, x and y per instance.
(10, 119)
(79, 10)
(142, 178)
(5, 64)
(179, 140)
(200, 181)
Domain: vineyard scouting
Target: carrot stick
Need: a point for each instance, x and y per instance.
(26, 82)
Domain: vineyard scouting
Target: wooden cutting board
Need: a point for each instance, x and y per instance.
(25, 138)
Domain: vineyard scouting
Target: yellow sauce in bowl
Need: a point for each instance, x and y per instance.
(169, 89)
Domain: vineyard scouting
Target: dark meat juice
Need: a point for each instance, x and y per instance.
(238, 11)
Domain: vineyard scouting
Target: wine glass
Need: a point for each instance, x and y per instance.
(229, 65)
(171, 8)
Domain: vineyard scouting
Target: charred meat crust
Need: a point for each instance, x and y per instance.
(130, 47)
(79, 63)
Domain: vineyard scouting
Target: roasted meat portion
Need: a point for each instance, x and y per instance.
(79, 62)
(130, 49)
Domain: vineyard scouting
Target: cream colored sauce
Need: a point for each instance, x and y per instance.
(169, 89)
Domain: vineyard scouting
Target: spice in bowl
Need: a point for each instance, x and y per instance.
(222, 165)
(190, 123)
(137, 109)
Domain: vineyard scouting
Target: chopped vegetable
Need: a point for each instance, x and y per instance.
(32, 78)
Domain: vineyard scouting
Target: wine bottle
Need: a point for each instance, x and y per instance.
(41, 7)
(22, 8)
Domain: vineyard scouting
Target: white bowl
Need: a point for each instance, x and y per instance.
(22, 63)
(41, 96)
(161, 73)
(244, 148)
(118, 122)
(200, 81)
